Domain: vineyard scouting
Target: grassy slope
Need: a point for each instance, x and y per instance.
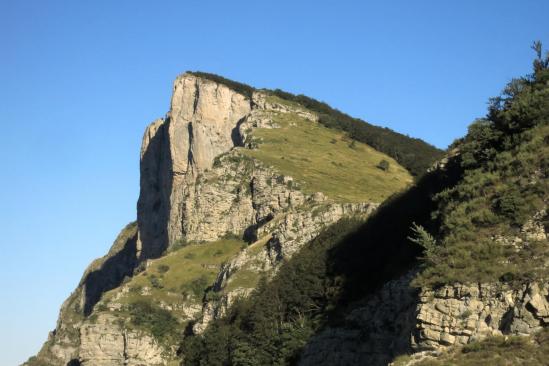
(181, 276)
(325, 160)
(414, 154)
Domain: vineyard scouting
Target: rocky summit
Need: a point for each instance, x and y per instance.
(273, 229)
(204, 194)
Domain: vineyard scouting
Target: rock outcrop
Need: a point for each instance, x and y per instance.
(400, 319)
(457, 315)
(283, 237)
(103, 274)
(202, 124)
(104, 342)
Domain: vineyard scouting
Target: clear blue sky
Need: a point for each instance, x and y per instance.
(80, 80)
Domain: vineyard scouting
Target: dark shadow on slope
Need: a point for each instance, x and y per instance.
(342, 269)
(110, 275)
(379, 330)
(379, 251)
(153, 210)
(366, 260)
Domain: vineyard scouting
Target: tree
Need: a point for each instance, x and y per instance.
(540, 63)
(425, 240)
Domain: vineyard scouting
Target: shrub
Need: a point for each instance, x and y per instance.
(159, 322)
(163, 268)
(135, 289)
(383, 165)
(425, 240)
(189, 255)
(231, 236)
(212, 296)
(155, 282)
(196, 287)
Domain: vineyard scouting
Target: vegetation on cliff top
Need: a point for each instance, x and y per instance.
(414, 154)
(327, 161)
(480, 230)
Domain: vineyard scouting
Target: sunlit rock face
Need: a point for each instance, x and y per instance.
(203, 123)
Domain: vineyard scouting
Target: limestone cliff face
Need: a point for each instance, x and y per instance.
(202, 124)
(283, 237)
(196, 186)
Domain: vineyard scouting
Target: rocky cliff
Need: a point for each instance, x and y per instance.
(197, 186)
(203, 123)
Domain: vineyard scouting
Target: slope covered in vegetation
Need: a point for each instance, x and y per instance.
(414, 154)
(345, 263)
(326, 160)
(479, 218)
(488, 220)
(178, 280)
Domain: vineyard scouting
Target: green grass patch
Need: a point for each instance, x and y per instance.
(325, 160)
(182, 275)
(244, 278)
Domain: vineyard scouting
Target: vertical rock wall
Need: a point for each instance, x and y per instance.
(202, 124)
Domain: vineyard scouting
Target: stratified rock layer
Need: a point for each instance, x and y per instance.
(400, 320)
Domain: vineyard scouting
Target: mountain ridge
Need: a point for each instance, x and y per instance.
(199, 187)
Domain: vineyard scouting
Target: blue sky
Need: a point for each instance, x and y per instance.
(80, 80)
